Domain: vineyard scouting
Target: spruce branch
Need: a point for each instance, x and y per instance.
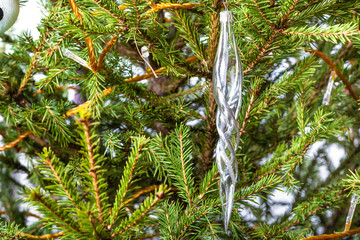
(289, 10)
(333, 33)
(29, 72)
(272, 25)
(107, 9)
(49, 162)
(126, 179)
(60, 215)
(263, 51)
(93, 168)
(130, 80)
(183, 166)
(15, 142)
(140, 213)
(253, 25)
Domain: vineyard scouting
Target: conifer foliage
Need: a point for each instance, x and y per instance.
(116, 147)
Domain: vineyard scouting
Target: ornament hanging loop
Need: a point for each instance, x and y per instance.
(226, 5)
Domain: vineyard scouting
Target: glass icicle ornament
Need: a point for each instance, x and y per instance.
(227, 87)
(353, 202)
(327, 95)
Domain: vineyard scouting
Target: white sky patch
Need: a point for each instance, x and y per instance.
(29, 18)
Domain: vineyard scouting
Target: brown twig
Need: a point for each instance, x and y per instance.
(85, 104)
(91, 50)
(105, 51)
(15, 142)
(75, 10)
(28, 214)
(338, 72)
(157, 7)
(141, 192)
(46, 236)
(334, 235)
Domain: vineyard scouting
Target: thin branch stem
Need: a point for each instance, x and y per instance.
(338, 72)
(93, 168)
(334, 235)
(15, 142)
(46, 236)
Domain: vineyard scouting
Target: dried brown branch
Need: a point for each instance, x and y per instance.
(334, 235)
(15, 142)
(338, 72)
(46, 236)
(105, 51)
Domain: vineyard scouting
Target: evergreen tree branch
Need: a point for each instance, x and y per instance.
(92, 223)
(168, 223)
(253, 25)
(28, 72)
(122, 7)
(263, 15)
(128, 174)
(334, 235)
(48, 162)
(15, 142)
(130, 80)
(208, 182)
(157, 198)
(46, 236)
(285, 18)
(183, 162)
(263, 50)
(58, 213)
(93, 168)
(338, 72)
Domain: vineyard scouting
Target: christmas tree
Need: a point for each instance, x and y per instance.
(112, 117)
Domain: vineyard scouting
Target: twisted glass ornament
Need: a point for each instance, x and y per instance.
(227, 87)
